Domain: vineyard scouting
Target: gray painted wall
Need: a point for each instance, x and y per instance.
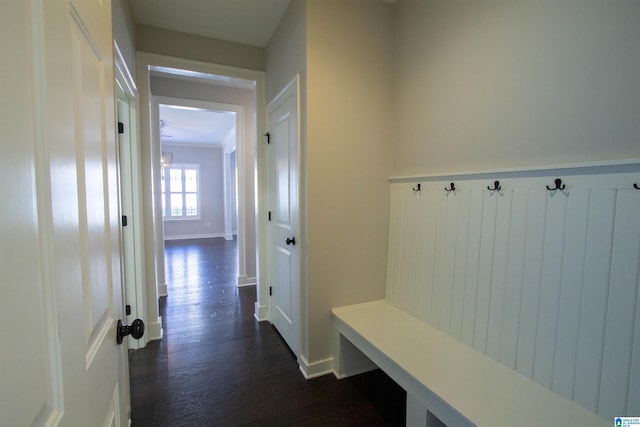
(342, 49)
(198, 48)
(500, 84)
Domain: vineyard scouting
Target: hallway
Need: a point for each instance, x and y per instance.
(217, 366)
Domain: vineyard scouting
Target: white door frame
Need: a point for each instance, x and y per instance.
(238, 146)
(130, 191)
(230, 195)
(151, 167)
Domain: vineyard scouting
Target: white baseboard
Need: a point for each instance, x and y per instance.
(315, 369)
(228, 237)
(154, 330)
(163, 290)
(193, 236)
(261, 312)
(246, 281)
(354, 372)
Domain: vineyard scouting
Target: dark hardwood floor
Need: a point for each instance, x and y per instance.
(218, 366)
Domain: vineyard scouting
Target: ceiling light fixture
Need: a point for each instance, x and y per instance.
(166, 159)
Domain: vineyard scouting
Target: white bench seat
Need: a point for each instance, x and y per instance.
(457, 384)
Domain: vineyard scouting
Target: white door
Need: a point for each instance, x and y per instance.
(282, 201)
(61, 289)
(131, 236)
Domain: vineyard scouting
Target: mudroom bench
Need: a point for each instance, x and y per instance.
(443, 377)
(511, 298)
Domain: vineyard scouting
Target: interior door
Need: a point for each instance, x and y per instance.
(282, 200)
(61, 272)
(131, 235)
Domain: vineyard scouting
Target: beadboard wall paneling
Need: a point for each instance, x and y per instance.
(545, 282)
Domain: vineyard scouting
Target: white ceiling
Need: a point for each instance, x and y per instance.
(195, 126)
(250, 22)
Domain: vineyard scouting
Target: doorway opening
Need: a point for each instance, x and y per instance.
(181, 85)
(198, 177)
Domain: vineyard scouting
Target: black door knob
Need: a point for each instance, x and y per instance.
(291, 241)
(136, 330)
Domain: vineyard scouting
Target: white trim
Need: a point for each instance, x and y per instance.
(192, 236)
(167, 194)
(151, 157)
(261, 312)
(86, 33)
(123, 74)
(609, 166)
(155, 330)
(163, 290)
(246, 281)
(166, 191)
(179, 144)
(55, 391)
(240, 167)
(204, 105)
(132, 238)
(315, 369)
(228, 197)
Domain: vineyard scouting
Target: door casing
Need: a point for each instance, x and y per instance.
(151, 157)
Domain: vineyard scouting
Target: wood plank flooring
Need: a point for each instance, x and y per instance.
(218, 366)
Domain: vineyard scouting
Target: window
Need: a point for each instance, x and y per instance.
(181, 192)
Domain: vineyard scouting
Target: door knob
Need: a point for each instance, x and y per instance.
(291, 241)
(136, 330)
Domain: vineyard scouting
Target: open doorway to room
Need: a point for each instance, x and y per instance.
(198, 176)
(170, 81)
(206, 132)
(198, 185)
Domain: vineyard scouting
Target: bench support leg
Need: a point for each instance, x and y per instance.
(416, 413)
(348, 360)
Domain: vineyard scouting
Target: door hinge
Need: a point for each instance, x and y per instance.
(270, 291)
(268, 135)
(124, 221)
(120, 127)
(269, 215)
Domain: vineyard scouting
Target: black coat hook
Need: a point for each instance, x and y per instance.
(416, 189)
(636, 186)
(453, 187)
(559, 185)
(496, 186)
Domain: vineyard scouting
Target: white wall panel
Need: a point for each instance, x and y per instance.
(485, 271)
(471, 274)
(594, 297)
(550, 287)
(534, 234)
(441, 243)
(546, 282)
(448, 263)
(570, 291)
(633, 399)
(459, 271)
(514, 279)
(621, 308)
(499, 273)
